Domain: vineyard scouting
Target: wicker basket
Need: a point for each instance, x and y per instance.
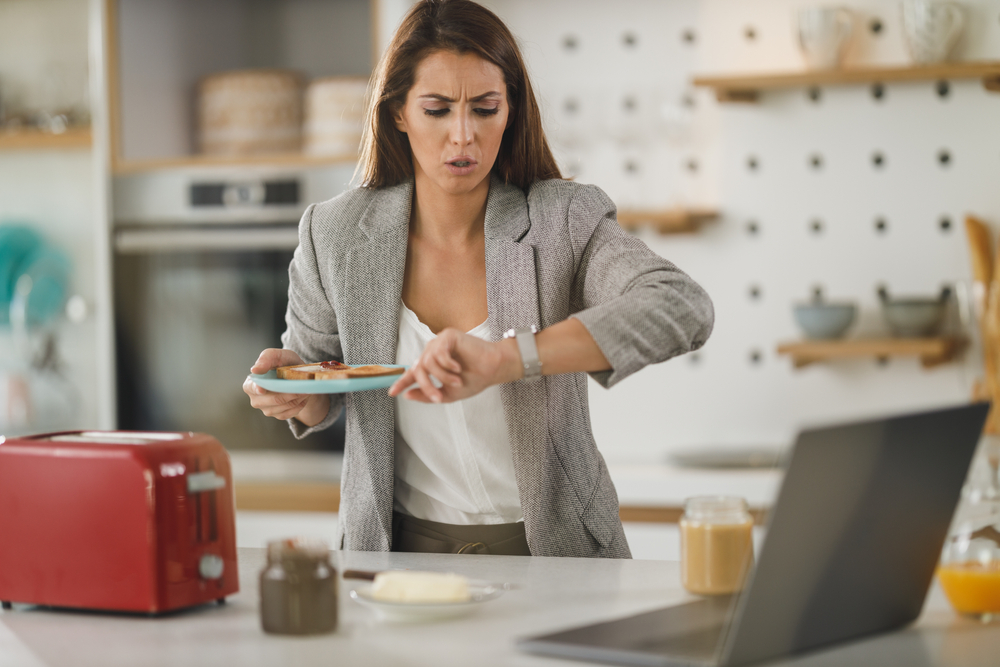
(335, 113)
(250, 111)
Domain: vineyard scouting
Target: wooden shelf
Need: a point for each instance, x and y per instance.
(930, 351)
(287, 496)
(33, 139)
(274, 159)
(664, 514)
(746, 88)
(669, 221)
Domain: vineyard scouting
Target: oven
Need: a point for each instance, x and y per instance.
(200, 288)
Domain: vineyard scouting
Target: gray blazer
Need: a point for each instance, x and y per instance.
(553, 253)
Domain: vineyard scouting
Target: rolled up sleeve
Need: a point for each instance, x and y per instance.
(639, 307)
(311, 323)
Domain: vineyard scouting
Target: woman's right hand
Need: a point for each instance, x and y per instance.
(310, 409)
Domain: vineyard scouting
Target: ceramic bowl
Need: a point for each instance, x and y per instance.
(825, 321)
(913, 318)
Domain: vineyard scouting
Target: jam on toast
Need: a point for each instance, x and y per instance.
(333, 370)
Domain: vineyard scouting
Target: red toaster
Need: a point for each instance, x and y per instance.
(116, 520)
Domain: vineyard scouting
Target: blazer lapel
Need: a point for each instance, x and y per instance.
(369, 326)
(511, 283)
(374, 279)
(512, 299)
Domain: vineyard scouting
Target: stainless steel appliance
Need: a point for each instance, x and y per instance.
(201, 283)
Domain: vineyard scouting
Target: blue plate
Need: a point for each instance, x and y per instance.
(272, 382)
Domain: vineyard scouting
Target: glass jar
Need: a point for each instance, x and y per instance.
(298, 588)
(716, 544)
(969, 571)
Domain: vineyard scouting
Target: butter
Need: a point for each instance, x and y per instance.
(406, 586)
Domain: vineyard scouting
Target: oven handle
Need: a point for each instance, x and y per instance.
(139, 240)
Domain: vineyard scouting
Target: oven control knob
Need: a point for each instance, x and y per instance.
(210, 566)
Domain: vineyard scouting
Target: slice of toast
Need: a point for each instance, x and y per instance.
(333, 370)
(371, 371)
(309, 371)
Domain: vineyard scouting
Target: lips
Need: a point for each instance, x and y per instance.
(462, 165)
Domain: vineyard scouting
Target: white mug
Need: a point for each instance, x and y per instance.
(824, 33)
(931, 28)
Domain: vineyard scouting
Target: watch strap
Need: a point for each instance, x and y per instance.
(525, 337)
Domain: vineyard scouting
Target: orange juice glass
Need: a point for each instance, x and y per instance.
(969, 571)
(972, 587)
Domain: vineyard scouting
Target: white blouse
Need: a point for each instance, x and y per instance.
(453, 461)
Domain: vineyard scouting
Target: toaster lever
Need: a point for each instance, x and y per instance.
(205, 481)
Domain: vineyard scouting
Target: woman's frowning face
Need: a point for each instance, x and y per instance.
(455, 116)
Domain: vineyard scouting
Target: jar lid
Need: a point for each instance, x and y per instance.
(717, 509)
(297, 547)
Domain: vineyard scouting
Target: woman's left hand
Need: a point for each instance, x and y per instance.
(463, 365)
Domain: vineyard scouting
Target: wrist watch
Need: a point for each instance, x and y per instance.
(525, 337)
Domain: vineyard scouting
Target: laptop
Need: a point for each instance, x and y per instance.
(852, 544)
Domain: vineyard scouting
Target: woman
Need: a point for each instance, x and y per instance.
(462, 231)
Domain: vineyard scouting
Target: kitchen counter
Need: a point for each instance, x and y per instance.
(552, 594)
(305, 488)
(645, 482)
(665, 485)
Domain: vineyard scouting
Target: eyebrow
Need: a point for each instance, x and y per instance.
(477, 98)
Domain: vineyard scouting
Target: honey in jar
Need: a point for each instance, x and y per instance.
(716, 545)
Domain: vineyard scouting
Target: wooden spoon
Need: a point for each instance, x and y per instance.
(986, 293)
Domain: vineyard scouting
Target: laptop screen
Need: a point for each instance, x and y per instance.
(856, 532)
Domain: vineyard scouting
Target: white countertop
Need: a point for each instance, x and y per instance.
(553, 593)
(668, 486)
(638, 484)
(277, 465)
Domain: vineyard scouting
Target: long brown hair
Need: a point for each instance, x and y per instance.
(461, 26)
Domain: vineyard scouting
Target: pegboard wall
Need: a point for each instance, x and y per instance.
(840, 188)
